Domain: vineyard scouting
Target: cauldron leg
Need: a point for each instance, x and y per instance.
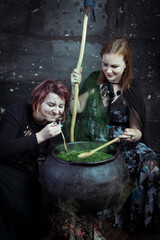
(72, 233)
(92, 230)
(102, 222)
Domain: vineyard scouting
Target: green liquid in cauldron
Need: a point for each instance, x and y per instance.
(73, 156)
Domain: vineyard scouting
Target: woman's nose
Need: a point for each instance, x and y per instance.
(108, 69)
(55, 110)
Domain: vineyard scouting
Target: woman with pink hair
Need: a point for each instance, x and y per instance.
(27, 132)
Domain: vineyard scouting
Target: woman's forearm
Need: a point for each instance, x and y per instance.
(72, 101)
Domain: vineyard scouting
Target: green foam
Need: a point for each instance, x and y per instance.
(73, 156)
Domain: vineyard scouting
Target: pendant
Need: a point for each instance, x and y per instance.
(118, 93)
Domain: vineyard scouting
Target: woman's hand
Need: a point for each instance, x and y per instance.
(131, 135)
(76, 77)
(50, 130)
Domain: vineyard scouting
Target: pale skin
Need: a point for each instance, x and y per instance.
(113, 66)
(50, 110)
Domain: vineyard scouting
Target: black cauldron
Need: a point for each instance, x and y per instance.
(85, 187)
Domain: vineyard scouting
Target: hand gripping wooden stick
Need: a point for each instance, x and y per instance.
(88, 8)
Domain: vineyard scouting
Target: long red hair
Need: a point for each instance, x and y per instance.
(119, 46)
(49, 86)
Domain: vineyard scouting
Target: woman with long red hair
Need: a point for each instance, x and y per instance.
(111, 105)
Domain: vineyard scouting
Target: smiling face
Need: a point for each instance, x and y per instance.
(52, 108)
(113, 66)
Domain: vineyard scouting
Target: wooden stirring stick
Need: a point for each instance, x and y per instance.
(88, 154)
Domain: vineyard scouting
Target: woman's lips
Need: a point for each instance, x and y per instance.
(54, 116)
(109, 75)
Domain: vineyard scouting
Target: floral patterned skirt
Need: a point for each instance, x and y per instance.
(142, 208)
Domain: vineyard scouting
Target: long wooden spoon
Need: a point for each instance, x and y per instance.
(76, 93)
(64, 141)
(88, 8)
(88, 154)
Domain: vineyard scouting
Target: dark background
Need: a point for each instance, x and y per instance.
(40, 39)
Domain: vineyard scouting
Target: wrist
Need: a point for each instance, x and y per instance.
(72, 93)
(39, 138)
(138, 135)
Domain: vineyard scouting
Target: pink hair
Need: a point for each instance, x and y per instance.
(49, 86)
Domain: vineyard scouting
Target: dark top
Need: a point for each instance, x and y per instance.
(17, 136)
(133, 98)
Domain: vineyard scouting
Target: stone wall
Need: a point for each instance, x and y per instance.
(40, 39)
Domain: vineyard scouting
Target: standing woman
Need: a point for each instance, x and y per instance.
(111, 100)
(26, 132)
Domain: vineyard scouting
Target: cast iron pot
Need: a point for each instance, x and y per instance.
(85, 187)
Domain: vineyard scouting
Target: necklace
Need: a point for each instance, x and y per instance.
(107, 90)
(118, 93)
(116, 83)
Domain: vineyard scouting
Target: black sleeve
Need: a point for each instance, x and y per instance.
(12, 138)
(135, 100)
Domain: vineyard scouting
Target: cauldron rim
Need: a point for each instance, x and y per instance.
(116, 153)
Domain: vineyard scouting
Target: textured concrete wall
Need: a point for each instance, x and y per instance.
(40, 39)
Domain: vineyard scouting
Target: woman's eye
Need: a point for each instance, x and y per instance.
(105, 64)
(61, 106)
(114, 66)
(51, 105)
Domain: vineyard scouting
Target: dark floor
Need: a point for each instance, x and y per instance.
(107, 232)
(111, 233)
